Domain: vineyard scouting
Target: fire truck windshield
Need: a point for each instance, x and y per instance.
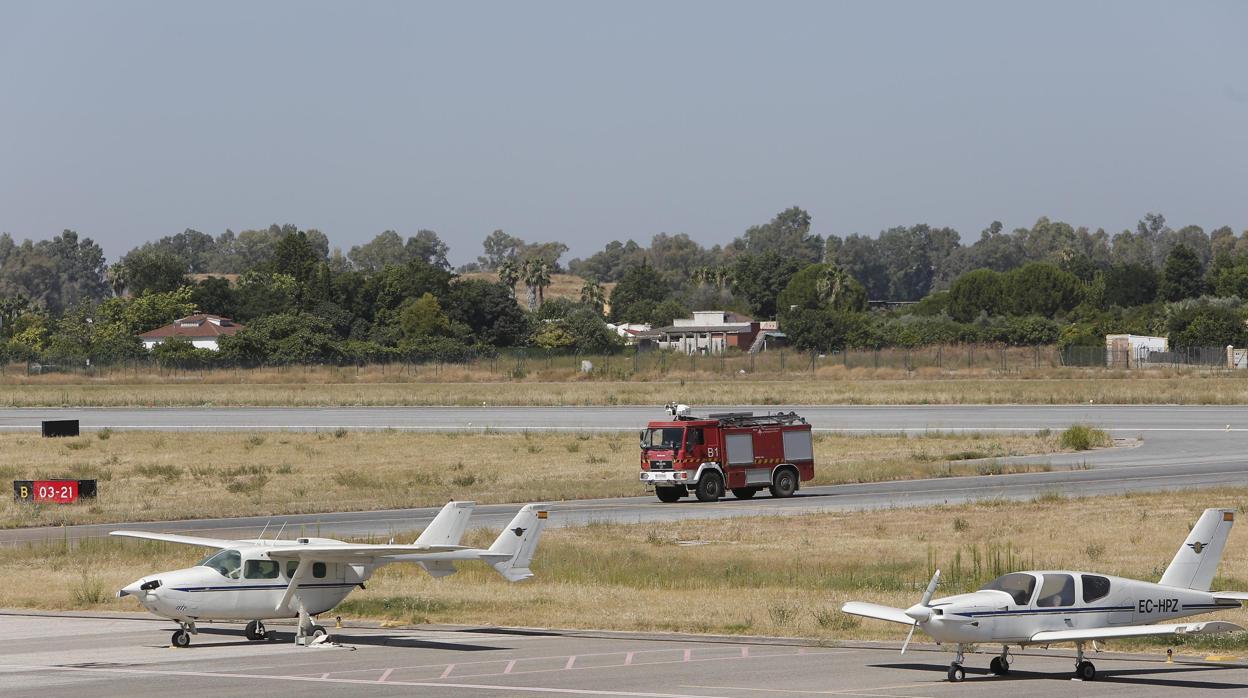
(667, 437)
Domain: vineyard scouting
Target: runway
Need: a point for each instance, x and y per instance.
(123, 655)
(910, 418)
(1169, 447)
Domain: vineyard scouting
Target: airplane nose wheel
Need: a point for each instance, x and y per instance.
(181, 638)
(956, 672)
(999, 666)
(256, 631)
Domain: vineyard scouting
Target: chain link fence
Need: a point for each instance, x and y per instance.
(630, 363)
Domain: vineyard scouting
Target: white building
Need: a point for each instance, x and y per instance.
(202, 330)
(1132, 350)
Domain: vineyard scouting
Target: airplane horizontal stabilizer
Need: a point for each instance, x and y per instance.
(1211, 627)
(1230, 595)
(878, 612)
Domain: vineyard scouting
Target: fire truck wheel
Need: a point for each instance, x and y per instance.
(785, 483)
(744, 492)
(669, 494)
(710, 487)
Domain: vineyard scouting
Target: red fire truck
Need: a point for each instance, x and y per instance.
(734, 450)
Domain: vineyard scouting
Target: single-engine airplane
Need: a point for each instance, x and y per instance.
(1057, 606)
(258, 579)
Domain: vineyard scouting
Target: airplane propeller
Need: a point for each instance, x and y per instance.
(921, 612)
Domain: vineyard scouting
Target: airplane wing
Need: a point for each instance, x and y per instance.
(1211, 627)
(878, 612)
(359, 552)
(175, 538)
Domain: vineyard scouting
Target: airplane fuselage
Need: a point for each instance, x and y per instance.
(250, 589)
(1086, 601)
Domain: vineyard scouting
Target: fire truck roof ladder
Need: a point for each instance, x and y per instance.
(747, 419)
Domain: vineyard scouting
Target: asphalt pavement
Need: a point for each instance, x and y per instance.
(1161, 448)
(127, 655)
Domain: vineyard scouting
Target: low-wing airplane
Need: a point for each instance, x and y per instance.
(1056, 606)
(257, 579)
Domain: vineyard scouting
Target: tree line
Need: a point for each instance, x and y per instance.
(397, 297)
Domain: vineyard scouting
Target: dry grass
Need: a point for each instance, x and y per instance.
(773, 575)
(455, 385)
(156, 476)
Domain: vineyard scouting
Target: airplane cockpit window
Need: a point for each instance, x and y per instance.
(1017, 585)
(226, 562)
(1057, 590)
(260, 569)
(1094, 588)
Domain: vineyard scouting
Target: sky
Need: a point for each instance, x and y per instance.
(586, 122)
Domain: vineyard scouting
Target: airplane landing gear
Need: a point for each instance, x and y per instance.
(256, 631)
(1084, 670)
(956, 672)
(999, 666)
(182, 636)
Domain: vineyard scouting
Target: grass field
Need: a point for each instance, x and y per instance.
(152, 476)
(432, 385)
(771, 576)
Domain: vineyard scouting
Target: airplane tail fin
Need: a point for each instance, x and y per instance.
(513, 549)
(447, 528)
(1197, 560)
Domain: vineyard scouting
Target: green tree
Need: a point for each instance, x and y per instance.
(1182, 277)
(979, 291)
(536, 276)
(828, 330)
(1128, 285)
(760, 279)
(787, 235)
(489, 311)
(641, 283)
(593, 296)
(1040, 288)
(1208, 326)
(499, 246)
(823, 286)
(509, 273)
(423, 317)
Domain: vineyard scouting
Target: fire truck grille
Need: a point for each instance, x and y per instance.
(660, 465)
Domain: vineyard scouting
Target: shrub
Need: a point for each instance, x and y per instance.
(1081, 437)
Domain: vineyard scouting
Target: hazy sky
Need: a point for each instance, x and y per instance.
(590, 121)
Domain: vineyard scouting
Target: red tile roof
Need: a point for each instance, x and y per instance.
(195, 326)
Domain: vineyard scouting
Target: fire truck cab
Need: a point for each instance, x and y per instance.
(735, 451)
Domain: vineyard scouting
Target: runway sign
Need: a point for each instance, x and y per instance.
(60, 427)
(52, 491)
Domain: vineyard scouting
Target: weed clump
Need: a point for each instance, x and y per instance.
(1081, 437)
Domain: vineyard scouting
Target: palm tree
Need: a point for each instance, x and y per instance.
(509, 273)
(542, 277)
(593, 295)
(536, 277)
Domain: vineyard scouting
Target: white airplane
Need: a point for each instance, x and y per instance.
(1057, 606)
(257, 579)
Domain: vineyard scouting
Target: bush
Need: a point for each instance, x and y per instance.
(1081, 437)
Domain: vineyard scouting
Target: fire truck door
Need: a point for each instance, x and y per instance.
(695, 445)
